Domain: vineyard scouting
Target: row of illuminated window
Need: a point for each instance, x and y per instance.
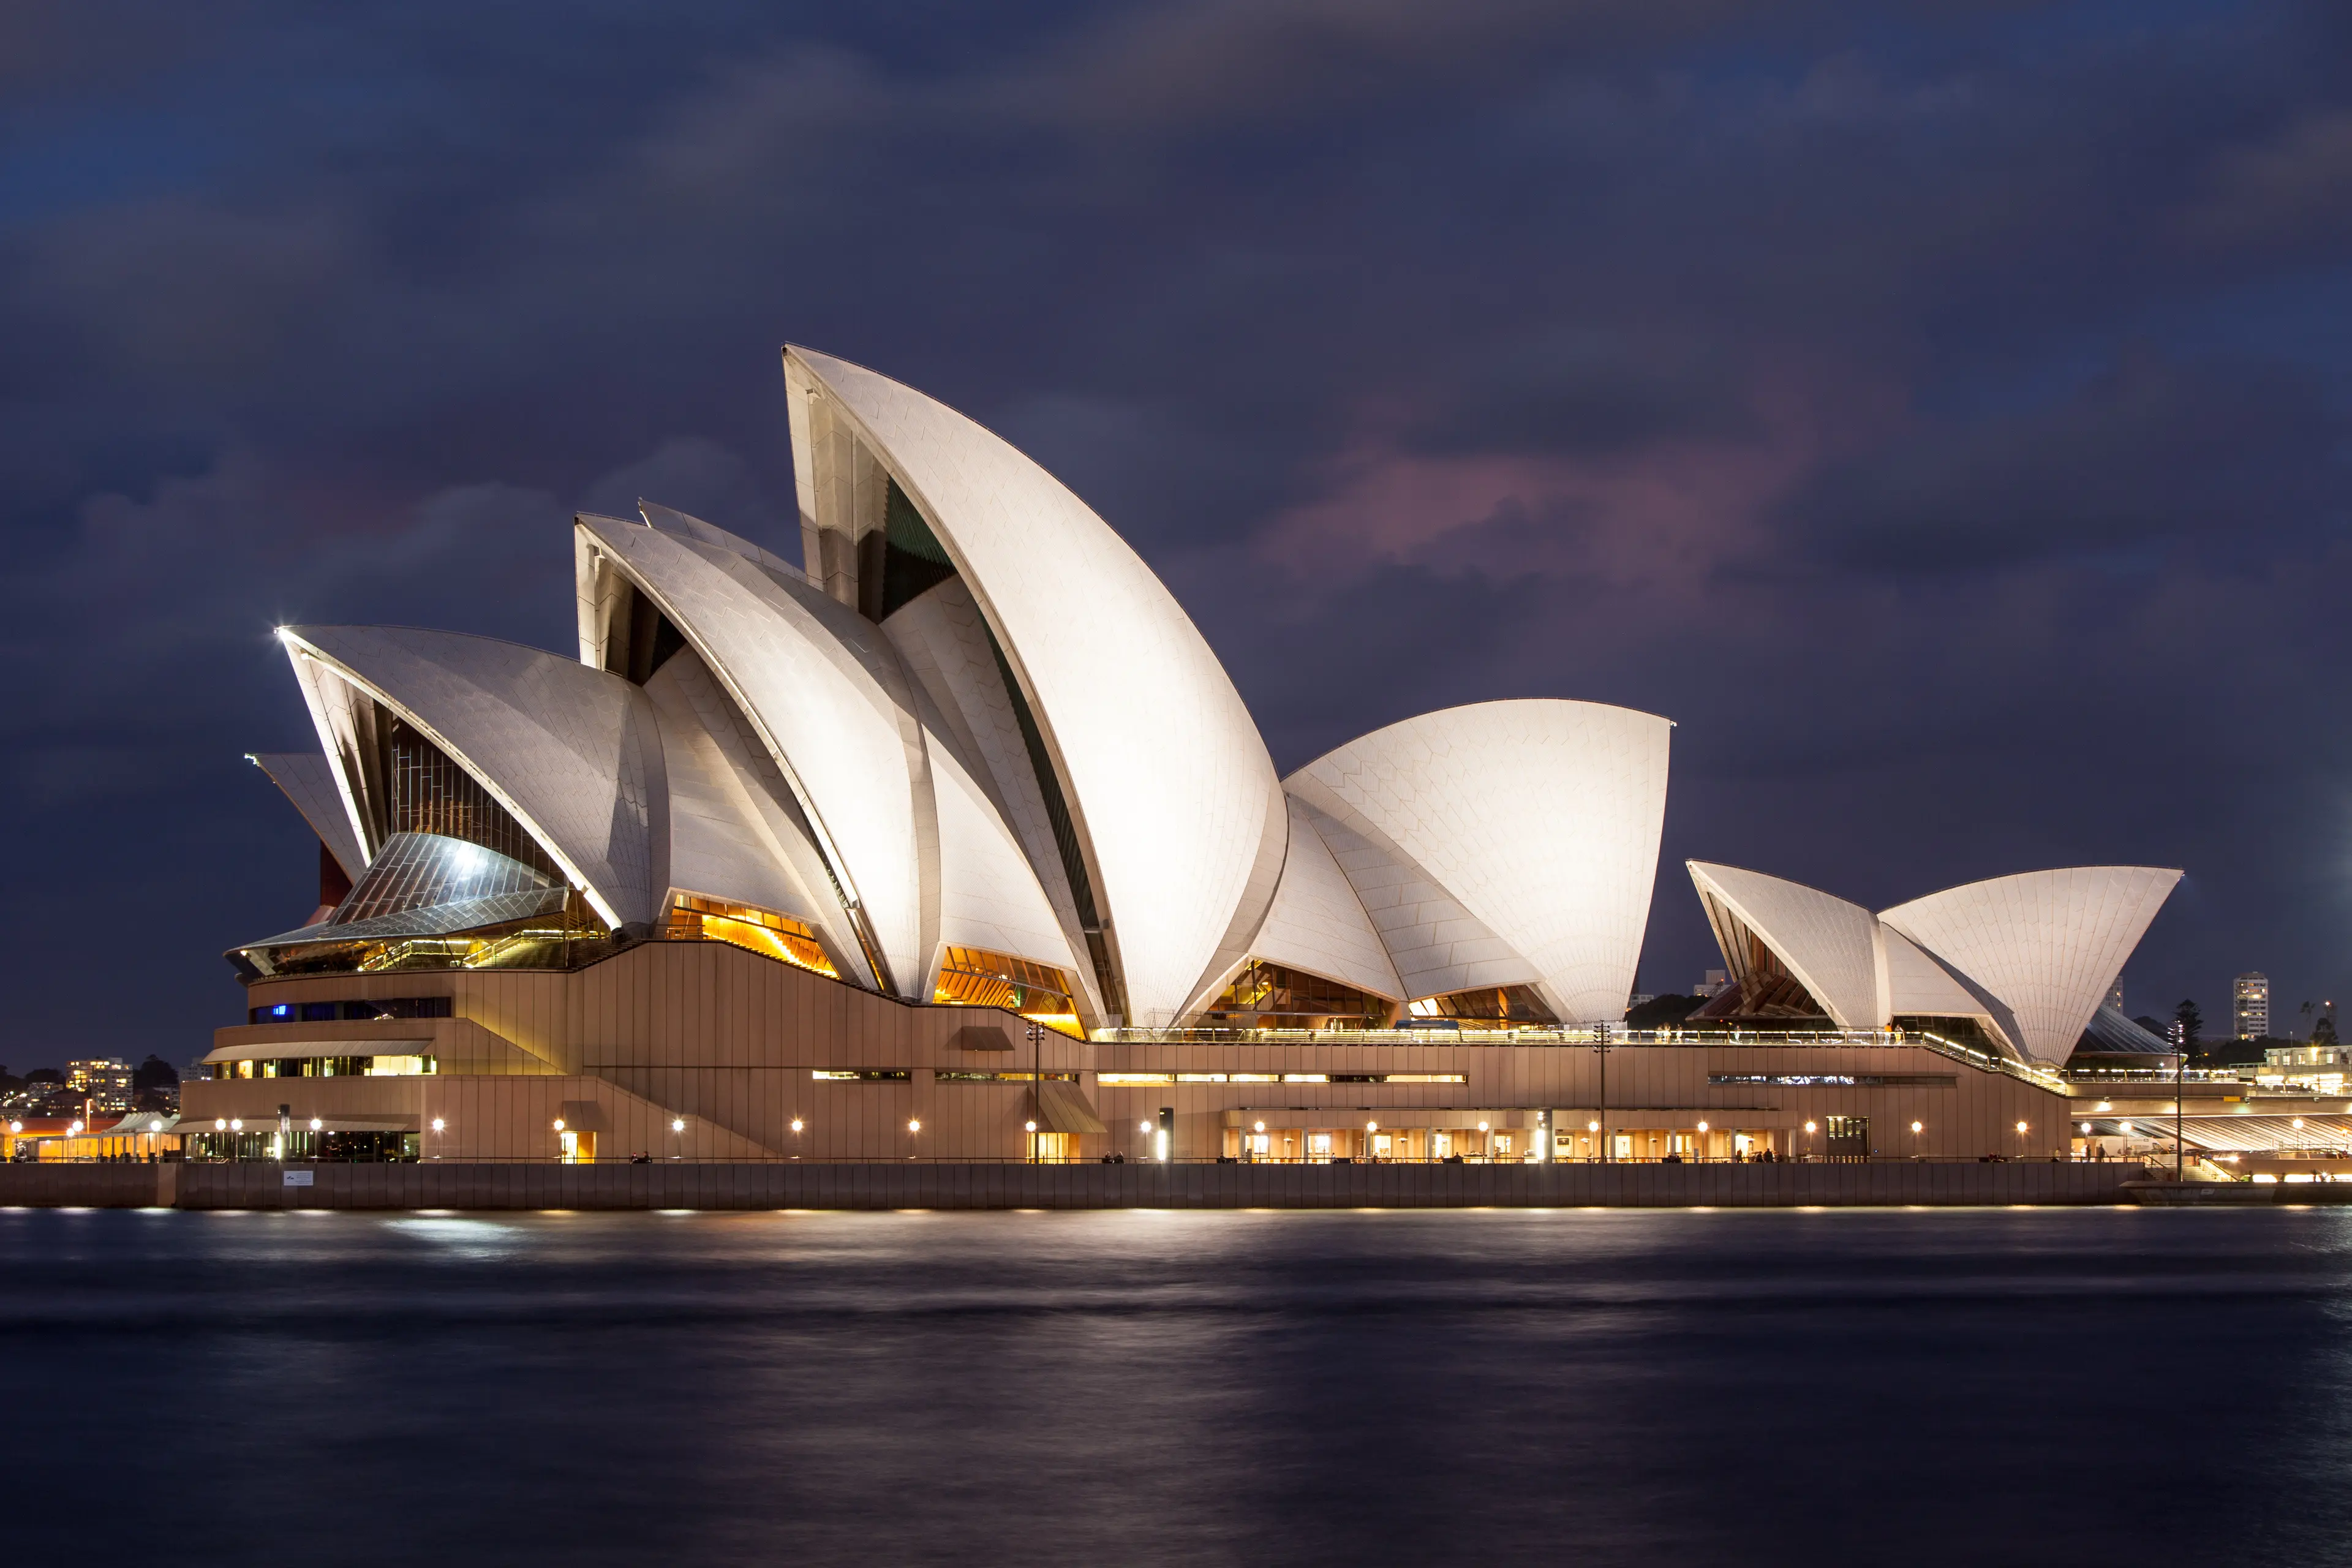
(902, 1075)
(349, 1012)
(1839, 1080)
(1117, 1079)
(328, 1067)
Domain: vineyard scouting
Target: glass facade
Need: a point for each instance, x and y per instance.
(327, 1067)
(565, 938)
(694, 919)
(1959, 1031)
(1268, 996)
(303, 1145)
(913, 559)
(349, 1012)
(1496, 1006)
(418, 870)
(975, 977)
(426, 791)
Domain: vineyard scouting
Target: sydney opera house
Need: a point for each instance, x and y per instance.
(951, 839)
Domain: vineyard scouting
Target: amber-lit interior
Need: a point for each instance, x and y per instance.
(975, 977)
(693, 919)
(1269, 995)
(1488, 1006)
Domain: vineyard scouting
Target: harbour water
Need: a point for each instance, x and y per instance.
(1971, 1386)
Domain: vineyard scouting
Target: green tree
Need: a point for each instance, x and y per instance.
(2323, 1033)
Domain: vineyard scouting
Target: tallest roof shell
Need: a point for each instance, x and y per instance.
(1176, 805)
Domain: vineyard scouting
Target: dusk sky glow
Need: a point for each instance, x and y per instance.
(1941, 411)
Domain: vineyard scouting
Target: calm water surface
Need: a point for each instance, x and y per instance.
(1982, 1387)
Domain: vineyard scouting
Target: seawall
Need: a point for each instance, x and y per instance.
(812, 1186)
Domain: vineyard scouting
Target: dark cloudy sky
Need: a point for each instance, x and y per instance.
(1939, 410)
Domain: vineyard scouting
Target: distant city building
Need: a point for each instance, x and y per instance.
(103, 1079)
(2115, 995)
(2250, 1003)
(2320, 1068)
(1717, 980)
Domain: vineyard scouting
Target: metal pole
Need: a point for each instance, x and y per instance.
(2180, 1083)
(1036, 1082)
(1600, 1044)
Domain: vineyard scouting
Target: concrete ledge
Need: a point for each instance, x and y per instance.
(813, 1185)
(2236, 1194)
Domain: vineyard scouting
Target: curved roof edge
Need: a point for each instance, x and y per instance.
(308, 779)
(1170, 801)
(573, 754)
(831, 707)
(2049, 944)
(1541, 817)
(1832, 946)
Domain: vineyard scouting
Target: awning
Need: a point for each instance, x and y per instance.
(981, 1037)
(369, 1046)
(582, 1116)
(2244, 1134)
(1062, 1108)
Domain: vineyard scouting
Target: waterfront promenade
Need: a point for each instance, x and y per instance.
(794, 1184)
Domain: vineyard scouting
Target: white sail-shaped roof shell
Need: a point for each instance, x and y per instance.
(734, 833)
(573, 755)
(989, 897)
(307, 779)
(2048, 944)
(1541, 819)
(1318, 923)
(828, 698)
(1435, 944)
(944, 643)
(1832, 947)
(1171, 794)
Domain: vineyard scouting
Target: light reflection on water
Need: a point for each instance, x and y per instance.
(1987, 1386)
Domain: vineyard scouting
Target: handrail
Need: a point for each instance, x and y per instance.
(2040, 1077)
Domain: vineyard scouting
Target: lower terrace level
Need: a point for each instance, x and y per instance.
(688, 1052)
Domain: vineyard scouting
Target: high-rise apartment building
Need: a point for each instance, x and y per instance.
(104, 1079)
(2250, 1007)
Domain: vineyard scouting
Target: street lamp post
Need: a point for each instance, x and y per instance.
(1600, 1050)
(1809, 1138)
(1036, 1080)
(2180, 1087)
